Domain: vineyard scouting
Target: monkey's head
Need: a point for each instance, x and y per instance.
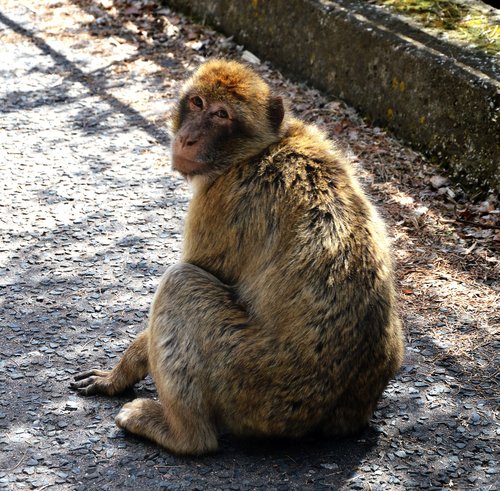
(226, 114)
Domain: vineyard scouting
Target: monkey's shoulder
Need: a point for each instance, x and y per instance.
(290, 171)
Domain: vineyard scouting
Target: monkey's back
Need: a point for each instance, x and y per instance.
(307, 255)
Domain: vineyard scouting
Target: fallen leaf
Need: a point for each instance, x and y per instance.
(485, 207)
(132, 11)
(338, 128)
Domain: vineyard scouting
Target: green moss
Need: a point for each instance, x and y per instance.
(465, 22)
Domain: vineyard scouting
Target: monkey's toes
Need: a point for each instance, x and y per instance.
(128, 416)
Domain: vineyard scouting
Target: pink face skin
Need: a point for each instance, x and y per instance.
(204, 124)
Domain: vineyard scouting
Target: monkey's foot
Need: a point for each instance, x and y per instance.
(94, 382)
(146, 418)
(134, 416)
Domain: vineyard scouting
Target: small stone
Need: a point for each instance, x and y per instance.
(358, 484)
(250, 58)
(71, 406)
(438, 181)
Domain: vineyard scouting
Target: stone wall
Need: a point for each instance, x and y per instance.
(442, 99)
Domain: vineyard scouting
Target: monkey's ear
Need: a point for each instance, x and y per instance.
(276, 111)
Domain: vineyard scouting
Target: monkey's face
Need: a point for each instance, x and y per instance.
(225, 115)
(203, 143)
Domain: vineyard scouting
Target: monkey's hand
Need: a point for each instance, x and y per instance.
(94, 382)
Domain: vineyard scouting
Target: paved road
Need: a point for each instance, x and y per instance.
(91, 215)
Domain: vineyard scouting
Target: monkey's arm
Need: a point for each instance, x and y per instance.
(130, 369)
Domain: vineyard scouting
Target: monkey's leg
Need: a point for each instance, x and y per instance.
(191, 313)
(346, 420)
(356, 405)
(176, 428)
(132, 367)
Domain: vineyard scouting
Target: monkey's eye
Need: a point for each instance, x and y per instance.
(222, 113)
(197, 101)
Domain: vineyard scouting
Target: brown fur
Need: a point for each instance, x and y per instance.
(280, 320)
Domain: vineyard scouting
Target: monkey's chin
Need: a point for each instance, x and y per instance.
(188, 167)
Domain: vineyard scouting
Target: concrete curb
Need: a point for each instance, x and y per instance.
(442, 99)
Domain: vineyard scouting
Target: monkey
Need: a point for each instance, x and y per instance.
(280, 320)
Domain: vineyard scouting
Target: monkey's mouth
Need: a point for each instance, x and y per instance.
(187, 166)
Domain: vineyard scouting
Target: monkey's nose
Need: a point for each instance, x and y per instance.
(188, 141)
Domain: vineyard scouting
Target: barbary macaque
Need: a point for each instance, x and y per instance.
(280, 320)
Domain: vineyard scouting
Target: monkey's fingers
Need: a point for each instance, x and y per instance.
(94, 384)
(89, 373)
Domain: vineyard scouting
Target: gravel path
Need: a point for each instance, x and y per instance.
(91, 215)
